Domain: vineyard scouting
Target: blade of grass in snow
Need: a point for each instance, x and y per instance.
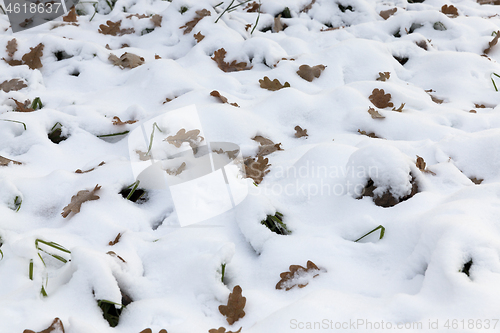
(382, 231)
(15, 121)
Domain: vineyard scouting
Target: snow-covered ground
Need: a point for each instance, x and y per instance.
(437, 267)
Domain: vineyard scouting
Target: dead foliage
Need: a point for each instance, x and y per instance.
(492, 43)
(380, 99)
(80, 171)
(289, 279)
(234, 66)
(78, 199)
(178, 171)
(371, 135)
(192, 137)
(222, 330)
(5, 161)
(420, 163)
(267, 146)
(55, 327)
(71, 16)
(113, 29)
(387, 199)
(374, 113)
(385, 14)
(273, 85)
(309, 73)
(189, 26)
(299, 132)
(221, 98)
(32, 58)
(383, 76)
(199, 37)
(12, 85)
(233, 311)
(450, 10)
(23, 107)
(256, 169)
(116, 240)
(308, 7)
(117, 121)
(127, 60)
(252, 7)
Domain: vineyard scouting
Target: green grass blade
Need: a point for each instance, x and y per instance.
(114, 134)
(37, 104)
(223, 268)
(30, 272)
(153, 136)
(133, 190)
(15, 121)
(225, 10)
(382, 232)
(52, 244)
(256, 21)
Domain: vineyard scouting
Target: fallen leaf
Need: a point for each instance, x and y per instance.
(476, 181)
(492, 43)
(232, 154)
(233, 311)
(12, 85)
(421, 165)
(371, 135)
(147, 330)
(156, 19)
(309, 73)
(143, 156)
(77, 200)
(252, 7)
(219, 56)
(308, 7)
(223, 99)
(80, 171)
(199, 37)
(5, 161)
(277, 26)
(436, 100)
(256, 169)
(117, 121)
(116, 240)
(273, 85)
(385, 14)
(200, 14)
(400, 109)
(380, 99)
(55, 327)
(11, 47)
(266, 146)
(113, 254)
(449, 10)
(300, 132)
(479, 106)
(295, 272)
(23, 107)
(422, 44)
(32, 58)
(222, 330)
(157, 57)
(113, 29)
(139, 16)
(331, 29)
(71, 17)
(383, 76)
(192, 137)
(374, 113)
(127, 60)
(177, 171)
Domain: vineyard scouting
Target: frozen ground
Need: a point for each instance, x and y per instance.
(415, 274)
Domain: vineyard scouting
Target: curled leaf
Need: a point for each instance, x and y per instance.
(421, 165)
(80, 171)
(273, 85)
(374, 113)
(5, 161)
(178, 171)
(71, 16)
(23, 107)
(221, 98)
(492, 43)
(127, 60)
(266, 146)
(55, 327)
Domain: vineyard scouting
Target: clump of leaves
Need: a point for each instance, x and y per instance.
(380, 99)
(267, 146)
(80, 171)
(55, 134)
(221, 98)
(133, 193)
(234, 66)
(233, 311)
(383, 76)
(275, 224)
(273, 85)
(422, 166)
(385, 14)
(110, 312)
(374, 113)
(12, 85)
(117, 121)
(450, 10)
(492, 43)
(382, 232)
(198, 36)
(297, 275)
(192, 137)
(55, 327)
(189, 26)
(299, 132)
(78, 199)
(127, 60)
(256, 169)
(113, 29)
(309, 73)
(222, 330)
(387, 199)
(5, 161)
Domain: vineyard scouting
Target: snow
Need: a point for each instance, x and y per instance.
(171, 269)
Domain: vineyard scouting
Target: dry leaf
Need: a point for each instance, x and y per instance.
(113, 29)
(400, 109)
(219, 56)
(78, 199)
(422, 44)
(223, 99)
(156, 19)
(308, 7)
(383, 76)
(128, 60)
(479, 106)
(12, 85)
(273, 85)
(309, 73)
(177, 171)
(200, 14)
(493, 42)
(296, 271)
(5, 161)
(385, 14)
(421, 165)
(252, 7)
(266, 146)
(11, 47)
(300, 132)
(436, 100)
(23, 107)
(374, 113)
(32, 58)
(234, 308)
(192, 137)
(143, 156)
(476, 181)
(199, 37)
(113, 254)
(71, 17)
(117, 121)
(232, 154)
(256, 169)
(380, 99)
(80, 171)
(449, 10)
(371, 135)
(277, 26)
(117, 239)
(331, 29)
(55, 327)
(222, 330)
(139, 16)
(146, 330)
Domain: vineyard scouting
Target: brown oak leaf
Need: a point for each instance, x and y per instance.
(252, 7)
(223, 330)
(5, 161)
(113, 254)
(371, 135)
(385, 14)
(113, 29)
(374, 113)
(71, 17)
(156, 19)
(422, 166)
(143, 156)
(139, 16)
(273, 85)
(436, 100)
(200, 14)
(492, 43)
(476, 181)
(80, 171)
(55, 327)
(308, 7)
(23, 107)
(296, 271)
(266, 146)
(383, 76)
(256, 169)
(146, 330)
(198, 36)
(232, 154)
(77, 200)
(223, 99)
(192, 137)
(32, 58)
(309, 73)
(178, 171)
(380, 99)
(127, 60)
(12, 85)
(300, 132)
(117, 121)
(400, 109)
(11, 47)
(234, 66)
(449, 10)
(233, 311)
